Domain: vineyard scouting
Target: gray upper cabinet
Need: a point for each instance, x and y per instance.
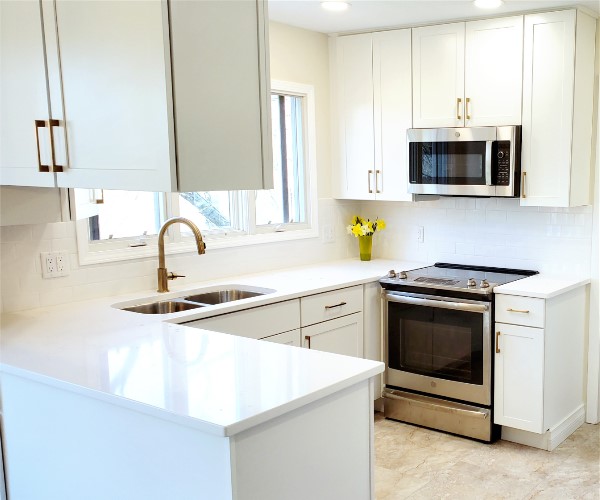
(149, 95)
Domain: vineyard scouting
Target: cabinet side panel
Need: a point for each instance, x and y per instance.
(319, 451)
(217, 95)
(565, 364)
(80, 447)
(581, 166)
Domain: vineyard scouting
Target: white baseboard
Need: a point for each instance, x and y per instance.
(551, 438)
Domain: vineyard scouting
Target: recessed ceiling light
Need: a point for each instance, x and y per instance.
(335, 5)
(488, 4)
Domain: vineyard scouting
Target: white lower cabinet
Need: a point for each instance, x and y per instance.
(287, 338)
(539, 367)
(519, 396)
(340, 336)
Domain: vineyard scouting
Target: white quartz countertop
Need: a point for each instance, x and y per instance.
(219, 383)
(540, 286)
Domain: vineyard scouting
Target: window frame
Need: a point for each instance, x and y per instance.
(121, 249)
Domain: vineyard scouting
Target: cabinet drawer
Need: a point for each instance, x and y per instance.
(526, 311)
(255, 323)
(330, 305)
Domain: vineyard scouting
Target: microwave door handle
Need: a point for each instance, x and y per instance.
(488, 163)
(442, 304)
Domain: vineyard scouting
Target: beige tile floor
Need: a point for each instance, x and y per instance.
(416, 463)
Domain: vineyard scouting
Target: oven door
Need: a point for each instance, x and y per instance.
(438, 346)
(451, 161)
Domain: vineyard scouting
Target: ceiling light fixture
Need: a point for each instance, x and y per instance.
(488, 4)
(335, 5)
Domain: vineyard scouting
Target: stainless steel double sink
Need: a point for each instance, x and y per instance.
(210, 297)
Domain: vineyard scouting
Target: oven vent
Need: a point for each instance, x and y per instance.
(437, 281)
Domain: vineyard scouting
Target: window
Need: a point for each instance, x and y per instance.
(125, 222)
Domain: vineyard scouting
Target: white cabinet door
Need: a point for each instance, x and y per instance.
(557, 116)
(438, 61)
(493, 72)
(116, 95)
(392, 87)
(287, 338)
(354, 117)
(519, 377)
(23, 96)
(340, 336)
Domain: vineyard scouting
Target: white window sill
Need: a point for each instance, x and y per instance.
(89, 256)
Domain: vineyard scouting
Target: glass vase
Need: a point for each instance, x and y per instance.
(365, 245)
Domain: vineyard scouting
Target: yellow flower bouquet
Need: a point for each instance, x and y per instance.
(364, 231)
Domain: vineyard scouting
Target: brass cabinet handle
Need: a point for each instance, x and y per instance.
(370, 173)
(54, 123)
(377, 172)
(458, 101)
(98, 200)
(497, 342)
(336, 305)
(307, 338)
(468, 100)
(524, 311)
(523, 190)
(38, 125)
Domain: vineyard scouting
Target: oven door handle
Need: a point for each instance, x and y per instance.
(488, 163)
(442, 304)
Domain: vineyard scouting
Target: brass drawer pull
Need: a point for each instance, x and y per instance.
(377, 172)
(524, 311)
(497, 342)
(523, 189)
(458, 101)
(369, 173)
(336, 305)
(54, 123)
(468, 100)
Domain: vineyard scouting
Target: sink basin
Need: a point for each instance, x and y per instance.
(208, 297)
(221, 296)
(162, 307)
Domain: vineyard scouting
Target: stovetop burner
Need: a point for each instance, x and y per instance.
(479, 280)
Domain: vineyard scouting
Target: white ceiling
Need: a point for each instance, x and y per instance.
(369, 14)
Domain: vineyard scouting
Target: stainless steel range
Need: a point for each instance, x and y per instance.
(438, 346)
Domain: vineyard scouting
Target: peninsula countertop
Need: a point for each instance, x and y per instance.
(219, 383)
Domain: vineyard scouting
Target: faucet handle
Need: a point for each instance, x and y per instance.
(173, 276)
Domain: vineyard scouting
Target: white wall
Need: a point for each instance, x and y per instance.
(297, 55)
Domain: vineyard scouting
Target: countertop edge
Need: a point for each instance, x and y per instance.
(540, 287)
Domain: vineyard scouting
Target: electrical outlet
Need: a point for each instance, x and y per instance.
(328, 234)
(62, 263)
(55, 264)
(420, 234)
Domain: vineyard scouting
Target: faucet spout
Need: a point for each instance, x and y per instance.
(163, 275)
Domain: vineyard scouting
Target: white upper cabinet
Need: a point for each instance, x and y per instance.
(371, 86)
(558, 89)
(468, 74)
(136, 95)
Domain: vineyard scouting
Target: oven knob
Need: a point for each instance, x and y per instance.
(391, 274)
(471, 282)
(402, 275)
(500, 155)
(484, 284)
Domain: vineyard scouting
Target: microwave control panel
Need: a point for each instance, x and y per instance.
(502, 160)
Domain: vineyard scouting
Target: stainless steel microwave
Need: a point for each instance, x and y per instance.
(476, 161)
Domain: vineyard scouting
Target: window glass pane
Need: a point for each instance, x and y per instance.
(207, 209)
(126, 214)
(286, 202)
